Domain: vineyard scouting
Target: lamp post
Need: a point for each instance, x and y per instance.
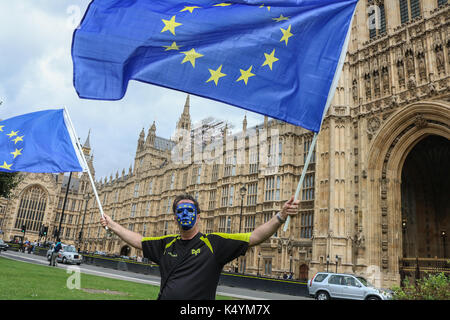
(242, 192)
(80, 235)
(328, 261)
(337, 260)
(58, 234)
(404, 224)
(443, 236)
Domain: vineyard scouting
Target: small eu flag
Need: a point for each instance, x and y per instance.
(37, 142)
(273, 57)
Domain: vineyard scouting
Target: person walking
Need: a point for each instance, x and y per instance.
(191, 262)
(55, 252)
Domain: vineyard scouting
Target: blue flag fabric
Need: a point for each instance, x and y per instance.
(273, 57)
(37, 142)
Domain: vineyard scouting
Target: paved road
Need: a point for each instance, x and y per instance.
(235, 292)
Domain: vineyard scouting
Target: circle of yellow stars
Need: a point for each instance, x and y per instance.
(15, 137)
(215, 74)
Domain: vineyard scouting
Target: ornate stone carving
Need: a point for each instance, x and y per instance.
(439, 53)
(420, 122)
(400, 68)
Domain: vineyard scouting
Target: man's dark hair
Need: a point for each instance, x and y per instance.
(184, 196)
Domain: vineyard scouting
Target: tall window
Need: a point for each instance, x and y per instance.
(272, 188)
(230, 164)
(308, 187)
(249, 223)
(227, 196)
(252, 193)
(224, 200)
(225, 224)
(409, 9)
(215, 172)
(254, 160)
(212, 199)
(441, 2)
(306, 144)
(306, 227)
(31, 208)
(377, 20)
(136, 190)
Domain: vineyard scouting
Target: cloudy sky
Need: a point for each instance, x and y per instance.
(36, 74)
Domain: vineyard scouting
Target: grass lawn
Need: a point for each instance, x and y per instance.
(26, 281)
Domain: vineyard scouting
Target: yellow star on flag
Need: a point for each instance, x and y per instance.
(280, 18)
(262, 6)
(245, 74)
(216, 75)
(270, 59)
(12, 134)
(173, 46)
(286, 34)
(16, 153)
(6, 166)
(223, 4)
(190, 9)
(190, 56)
(1, 128)
(17, 139)
(170, 25)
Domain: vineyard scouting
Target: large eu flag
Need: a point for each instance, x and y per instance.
(37, 142)
(273, 57)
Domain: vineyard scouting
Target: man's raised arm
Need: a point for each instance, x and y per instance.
(132, 238)
(266, 230)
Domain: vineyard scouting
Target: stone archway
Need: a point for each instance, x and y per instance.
(383, 211)
(424, 188)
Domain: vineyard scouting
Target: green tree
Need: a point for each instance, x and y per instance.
(431, 287)
(8, 182)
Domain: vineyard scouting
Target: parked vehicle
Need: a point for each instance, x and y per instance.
(3, 245)
(326, 285)
(68, 254)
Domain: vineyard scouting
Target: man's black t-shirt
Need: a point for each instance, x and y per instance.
(190, 269)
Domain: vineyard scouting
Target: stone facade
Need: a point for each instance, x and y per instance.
(393, 93)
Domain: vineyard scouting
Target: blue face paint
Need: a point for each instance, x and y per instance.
(186, 215)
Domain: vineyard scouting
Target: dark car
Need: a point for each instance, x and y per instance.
(3, 246)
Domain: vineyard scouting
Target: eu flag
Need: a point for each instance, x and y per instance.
(273, 57)
(37, 142)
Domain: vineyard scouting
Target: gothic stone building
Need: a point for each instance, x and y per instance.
(376, 190)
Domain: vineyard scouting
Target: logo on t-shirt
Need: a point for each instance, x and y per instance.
(195, 251)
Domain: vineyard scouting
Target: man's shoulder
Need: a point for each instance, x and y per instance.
(161, 238)
(230, 236)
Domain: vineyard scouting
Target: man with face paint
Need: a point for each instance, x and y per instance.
(191, 262)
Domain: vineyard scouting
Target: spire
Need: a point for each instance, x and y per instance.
(244, 123)
(187, 105)
(87, 143)
(185, 119)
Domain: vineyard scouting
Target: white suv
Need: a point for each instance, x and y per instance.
(325, 285)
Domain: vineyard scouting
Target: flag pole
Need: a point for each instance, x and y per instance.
(83, 158)
(327, 106)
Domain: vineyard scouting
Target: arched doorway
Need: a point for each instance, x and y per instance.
(425, 204)
(125, 250)
(382, 214)
(303, 272)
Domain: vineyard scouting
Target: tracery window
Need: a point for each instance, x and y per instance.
(31, 208)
